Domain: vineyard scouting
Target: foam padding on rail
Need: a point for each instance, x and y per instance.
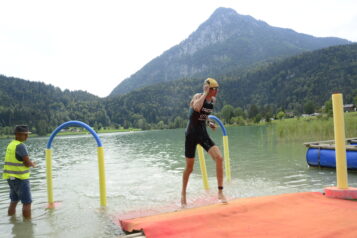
(308, 214)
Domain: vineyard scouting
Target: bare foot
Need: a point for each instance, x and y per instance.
(183, 201)
(222, 198)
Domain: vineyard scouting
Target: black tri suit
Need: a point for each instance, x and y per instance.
(196, 132)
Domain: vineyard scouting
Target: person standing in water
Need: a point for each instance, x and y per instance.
(17, 172)
(201, 106)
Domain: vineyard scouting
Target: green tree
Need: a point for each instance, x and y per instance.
(126, 124)
(258, 118)
(268, 116)
(227, 113)
(179, 122)
(239, 112)
(280, 115)
(328, 108)
(309, 107)
(238, 121)
(142, 124)
(161, 125)
(253, 111)
(41, 127)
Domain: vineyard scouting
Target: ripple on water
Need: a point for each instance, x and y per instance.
(144, 173)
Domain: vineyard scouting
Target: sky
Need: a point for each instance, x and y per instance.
(94, 45)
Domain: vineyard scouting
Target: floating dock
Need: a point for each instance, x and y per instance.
(307, 214)
(322, 153)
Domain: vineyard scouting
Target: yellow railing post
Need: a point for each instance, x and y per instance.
(227, 162)
(49, 178)
(339, 129)
(201, 158)
(102, 187)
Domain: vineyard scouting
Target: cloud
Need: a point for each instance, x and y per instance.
(94, 45)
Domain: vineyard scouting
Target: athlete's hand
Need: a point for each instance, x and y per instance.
(212, 125)
(206, 89)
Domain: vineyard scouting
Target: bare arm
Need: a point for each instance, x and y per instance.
(28, 162)
(198, 99)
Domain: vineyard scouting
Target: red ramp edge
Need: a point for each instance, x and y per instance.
(308, 214)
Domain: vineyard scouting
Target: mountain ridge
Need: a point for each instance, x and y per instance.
(225, 41)
(285, 84)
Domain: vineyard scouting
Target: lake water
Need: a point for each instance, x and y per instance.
(143, 172)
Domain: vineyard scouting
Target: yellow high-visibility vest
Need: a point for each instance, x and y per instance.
(13, 167)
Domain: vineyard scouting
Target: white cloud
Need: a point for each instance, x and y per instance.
(93, 45)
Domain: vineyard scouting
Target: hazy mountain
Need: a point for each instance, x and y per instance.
(226, 41)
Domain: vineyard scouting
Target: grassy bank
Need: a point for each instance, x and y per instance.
(311, 128)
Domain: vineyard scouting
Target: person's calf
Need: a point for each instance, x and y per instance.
(12, 209)
(26, 211)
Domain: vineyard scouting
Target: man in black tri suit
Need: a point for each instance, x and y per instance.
(201, 106)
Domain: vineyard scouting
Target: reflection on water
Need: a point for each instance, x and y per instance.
(22, 228)
(143, 172)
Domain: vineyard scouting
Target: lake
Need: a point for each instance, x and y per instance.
(144, 172)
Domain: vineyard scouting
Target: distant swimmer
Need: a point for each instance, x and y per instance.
(201, 106)
(17, 172)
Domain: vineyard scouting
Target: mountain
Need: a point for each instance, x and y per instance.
(289, 83)
(286, 84)
(226, 41)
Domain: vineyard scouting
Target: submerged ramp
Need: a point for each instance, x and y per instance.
(308, 214)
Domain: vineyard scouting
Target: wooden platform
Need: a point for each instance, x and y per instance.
(330, 144)
(308, 214)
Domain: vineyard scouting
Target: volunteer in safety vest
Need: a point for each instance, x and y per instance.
(201, 106)
(17, 172)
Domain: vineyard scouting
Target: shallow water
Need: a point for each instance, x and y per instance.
(143, 172)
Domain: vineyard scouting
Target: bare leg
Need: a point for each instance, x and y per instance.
(186, 175)
(12, 209)
(26, 210)
(216, 155)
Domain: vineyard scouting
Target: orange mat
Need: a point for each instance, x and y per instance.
(308, 214)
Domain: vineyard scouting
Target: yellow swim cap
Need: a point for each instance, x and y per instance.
(212, 83)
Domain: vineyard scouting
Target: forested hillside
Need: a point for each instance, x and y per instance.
(44, 107)
(226, 41)
(291, 85)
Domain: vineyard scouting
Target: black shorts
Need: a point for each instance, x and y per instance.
(192, 141)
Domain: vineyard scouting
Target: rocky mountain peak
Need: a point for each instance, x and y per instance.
(223, 24)
(227, 41)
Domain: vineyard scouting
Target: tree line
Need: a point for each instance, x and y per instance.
(293, 86)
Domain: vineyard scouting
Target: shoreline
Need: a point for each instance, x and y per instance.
(70, 133)
(288, 128)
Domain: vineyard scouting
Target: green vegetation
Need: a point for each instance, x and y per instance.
(44, 107)
(287, 88)
(291, 87)
(311, 128)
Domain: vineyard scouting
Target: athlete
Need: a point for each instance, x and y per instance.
(201, 106)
